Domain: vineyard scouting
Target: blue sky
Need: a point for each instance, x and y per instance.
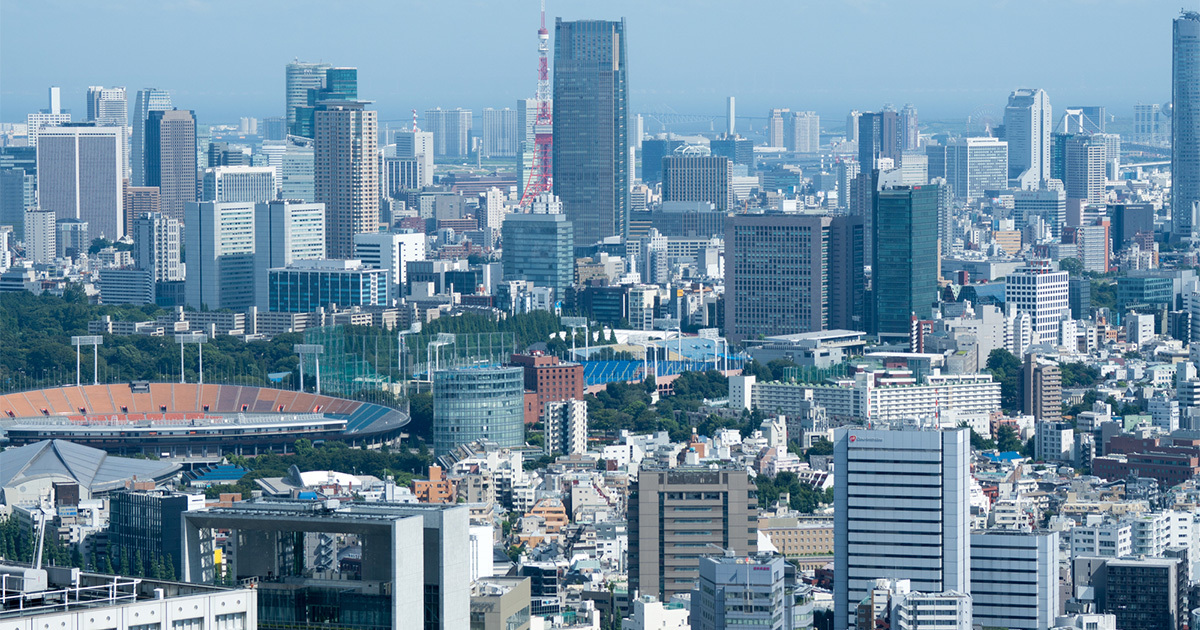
(225, 58)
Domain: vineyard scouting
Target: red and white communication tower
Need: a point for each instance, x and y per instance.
(543, 126)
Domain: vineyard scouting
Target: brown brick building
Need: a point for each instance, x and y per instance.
(550, 380)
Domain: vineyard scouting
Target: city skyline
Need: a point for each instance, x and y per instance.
(669, 72)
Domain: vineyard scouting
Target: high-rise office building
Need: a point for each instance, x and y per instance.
(147, 100)
(1185, 124)
(41, 235)
(417, 145)
(501, 135)
(803, 132)
(451, 129)
(478, 403)
(338, 84)
(140, 200)
(300, 78)
(391, 251)
(1149, 123)
(148, 526)
(50, 117)
(170, 147)
(306, 285)
(654, 150)
(347, 173)
(1048, 205)
(219, 240)
(591, 116)
(666, 543)
(274, 128)
(296, 172)
(901, 511)
(739, 150)
(72, 238)
(698, 178)
(974, 165)
(879, 137)
(18, 191)
(910, 129)
(1042, 292)
(239, 183)
(1085, 168)
(81, 174)
(156, 246)
(109, 107)
(1027, 126)
(852, 125)
(540, 248)
(1144, 593)
(792, 273)
(904, 257)
(285, 231)
(776, 121)
(1129, 220)
(734, 592)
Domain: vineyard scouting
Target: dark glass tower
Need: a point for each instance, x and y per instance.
(1185, 125)
(905, 257)
(591, 101)
(540, 248)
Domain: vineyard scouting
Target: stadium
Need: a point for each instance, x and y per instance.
(191, 420)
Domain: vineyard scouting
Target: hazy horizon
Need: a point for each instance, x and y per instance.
(226, 59)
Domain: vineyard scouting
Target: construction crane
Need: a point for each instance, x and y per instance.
(540, 181)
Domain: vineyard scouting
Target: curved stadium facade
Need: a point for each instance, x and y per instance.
(190, 420)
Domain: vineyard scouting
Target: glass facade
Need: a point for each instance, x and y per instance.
(591, 158)
(1185, 123)
(296, 290)
(539, 248)
(478, 403)
(904, 274)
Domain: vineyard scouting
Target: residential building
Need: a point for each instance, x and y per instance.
(156, 246)
(1014, 579)
(478, 403)
(219, 240)
(308, 284)
(676, 516)
(910, 139)
(565, 424)
(1109, 540)
(391, 251)
(1185, 124)
(698, 178)
(1041, 389)
(591, 116)
(80, 173)
(539, 248)
(451, 131)
(1027, 126)
(900, 512)
(418, 547)
(792, 273)
(285, 231)
(1042, 292)
(802, 132)
(239, 183)
(347, 173)
(904, 257)
(170, 154)
(41, 235)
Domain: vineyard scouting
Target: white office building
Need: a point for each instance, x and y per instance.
(1027, 126)
(1014, 579)
(41, 235)
(297, 173)
(976, 165)
(901, 512)
(156, 246)
(500, 135)
(418, 145)
(219, 239)
(1055, 442)
(81, 174)
(1110, 540)
(1049, 205)
(51, 117)
(1039, 290)
(391, 251)
(285, 231)
(239, 183)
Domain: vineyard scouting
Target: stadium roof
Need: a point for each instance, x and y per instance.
(91, 468)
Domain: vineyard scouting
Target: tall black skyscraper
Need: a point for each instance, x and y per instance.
(1185, 125)
(905, 257)
(879, 136)
(591, 101)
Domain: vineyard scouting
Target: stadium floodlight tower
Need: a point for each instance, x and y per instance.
(400, 355)
(433, 352)
(575, 323)
(95, 341)
(315, 350)
(197, 338)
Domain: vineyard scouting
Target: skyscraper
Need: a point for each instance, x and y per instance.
(901, 511)
(904, 257)
(803, 131)
(337, 84)
(239, 183)
(301, 77)
(500, 135)
(109, 107)
(909, 128)
(879, 137)
(170, 147)
(698, 178)
(1027, 126)
(540, 248)
(80, 175)
(1042, 292)
(776, 121)
(792, 273)
(41, 235)
(140, 200)
(1185, 125)
(1085, 168)
(975, 165)
(417, 145)
(347, 173)
(451, 131)
(50, 117)
(219, 238)
(284, 231)
(591, 101)
(148, 100)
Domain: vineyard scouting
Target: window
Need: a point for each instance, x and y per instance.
(188, 624)
(232, 621)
